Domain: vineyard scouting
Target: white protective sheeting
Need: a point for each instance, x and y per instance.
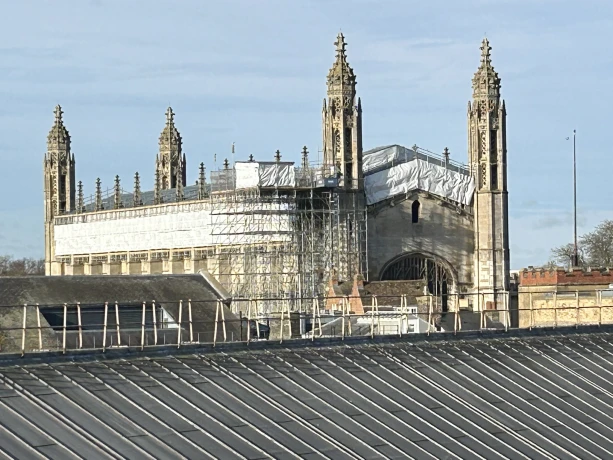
(247, 174)
(419, 175)
(277, 175)
(382, 156)
(254, 174)
(172, 229)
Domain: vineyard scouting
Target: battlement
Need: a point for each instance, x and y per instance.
(532, 276)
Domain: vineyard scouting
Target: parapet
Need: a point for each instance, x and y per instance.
(559, 276)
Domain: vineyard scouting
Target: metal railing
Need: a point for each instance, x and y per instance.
(25, 328)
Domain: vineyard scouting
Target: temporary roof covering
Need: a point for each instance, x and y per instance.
(532, 398)
(418, 175)
(269, 174)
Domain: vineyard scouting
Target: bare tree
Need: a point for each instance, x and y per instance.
(21, 267)
(598, 245)
(595, 249)
(563, 256)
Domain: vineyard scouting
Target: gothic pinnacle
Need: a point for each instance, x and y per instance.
(202, 182)
(305, 157)
(117, 194)
(98, 206)
(80, 197)
(278, 156)
(137, 194)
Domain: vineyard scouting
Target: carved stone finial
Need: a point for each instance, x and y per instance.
(446, 155)
(277, 156)
(80, 206)
(251, 160)
(414, 148)
(98, 206)
(170, 116)
(226, 164)
(138, 201)
(58, 114)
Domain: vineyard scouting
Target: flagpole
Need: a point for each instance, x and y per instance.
(576, 248)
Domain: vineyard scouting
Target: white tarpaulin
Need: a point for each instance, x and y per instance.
(254, 174)
(418, 174)
(247, 174)
(382, 156)
(277, 175)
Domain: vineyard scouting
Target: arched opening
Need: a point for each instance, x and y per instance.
(415, 211)
(418, 267)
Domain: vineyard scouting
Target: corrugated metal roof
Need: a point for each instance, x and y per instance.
(537, 398)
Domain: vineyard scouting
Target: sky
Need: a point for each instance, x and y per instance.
(253, 72)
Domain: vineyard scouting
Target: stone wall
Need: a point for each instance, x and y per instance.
(442, 230)
(549, 306)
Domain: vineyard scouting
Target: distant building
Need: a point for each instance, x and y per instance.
(558, 297)
(271, 229)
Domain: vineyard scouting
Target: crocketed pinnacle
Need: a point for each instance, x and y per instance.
(58, 136)
(486, 80)
(341, 71)
(170, 135)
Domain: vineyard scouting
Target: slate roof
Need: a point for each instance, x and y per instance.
(531, 397)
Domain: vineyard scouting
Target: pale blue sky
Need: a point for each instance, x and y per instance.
(253, 72)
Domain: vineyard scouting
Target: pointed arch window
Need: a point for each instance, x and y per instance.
(415, 208)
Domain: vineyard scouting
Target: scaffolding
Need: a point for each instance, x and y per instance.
(284, 244)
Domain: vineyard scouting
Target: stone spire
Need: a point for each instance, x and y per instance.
(341, 71)
(342, 122)
(98, 206)
(170, 162)
(80, 203)
(202, 182)
(59, 167)
(137, 198)
(486, 83)
(487, 154)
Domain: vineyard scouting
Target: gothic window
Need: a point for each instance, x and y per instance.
(494, 177)
(348, 172)
(62, 192)
(415, 211)
(347, 141)
(493, 145)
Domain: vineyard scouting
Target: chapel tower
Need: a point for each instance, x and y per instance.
(59, 180)
(170, 161)
(342, 122)
(487, 154)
